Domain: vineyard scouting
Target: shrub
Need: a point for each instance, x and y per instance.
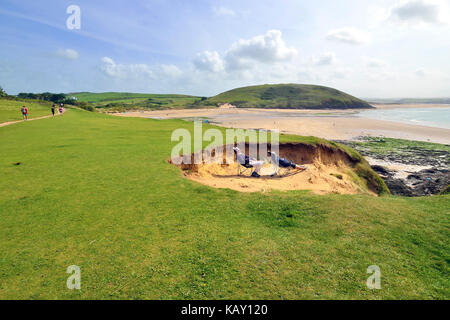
(84, 105)
(48, 96)
(3, 93)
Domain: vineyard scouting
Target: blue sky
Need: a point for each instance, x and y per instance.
(381, 48)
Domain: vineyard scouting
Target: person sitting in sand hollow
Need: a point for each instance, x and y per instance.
(245, 160)
(282, 162)
(24, 113)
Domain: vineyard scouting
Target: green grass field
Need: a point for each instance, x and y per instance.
(105, 97)
(126, 101)
(390, 145)
(288, 96)
(96, 191)
(10, 109)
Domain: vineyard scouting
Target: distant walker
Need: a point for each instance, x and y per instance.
(24, 113)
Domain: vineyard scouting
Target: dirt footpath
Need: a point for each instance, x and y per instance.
(4, 124)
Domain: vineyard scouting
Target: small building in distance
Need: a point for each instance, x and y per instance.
(226, 106)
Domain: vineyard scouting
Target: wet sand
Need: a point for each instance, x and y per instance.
(406, 106)
(328, 124)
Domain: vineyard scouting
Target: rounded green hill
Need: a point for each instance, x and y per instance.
(288, 96)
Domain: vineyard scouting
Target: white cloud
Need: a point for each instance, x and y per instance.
(420, 11)
(338, 75)
(382, 76)
(267, 48)
(125, 71)
(376, 16)
(420, 73)
(108, 60)
(327, 58)
(209, 61)
(374, 62)
(263, 59)
(68, 54)
(139, 71)
(305, 75)
(349, 35)
(223, 11)
(168, 71)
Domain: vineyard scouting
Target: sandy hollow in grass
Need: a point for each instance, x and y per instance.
(327, 172)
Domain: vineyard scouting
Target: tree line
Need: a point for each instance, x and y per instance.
(3, 93)
(48, 96)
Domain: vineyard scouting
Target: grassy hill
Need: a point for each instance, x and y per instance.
(127, 100)
(10, 110)
(97, 191)
(285, 96)
(288, 96)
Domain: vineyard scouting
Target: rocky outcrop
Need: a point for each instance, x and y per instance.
(411, 171)
(423, 183)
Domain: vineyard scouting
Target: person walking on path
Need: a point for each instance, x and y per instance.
(24, 113)
(53, 109)
(61, 109)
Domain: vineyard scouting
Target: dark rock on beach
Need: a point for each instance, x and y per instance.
(404, 181)
(422, 183)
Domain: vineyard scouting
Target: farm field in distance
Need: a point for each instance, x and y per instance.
(117, 101)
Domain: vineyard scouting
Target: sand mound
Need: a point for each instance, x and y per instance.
(328, 171)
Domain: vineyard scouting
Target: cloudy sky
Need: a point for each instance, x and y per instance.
(379, 49)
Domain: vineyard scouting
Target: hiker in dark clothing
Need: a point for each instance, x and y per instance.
(282, 162)
(53, 109)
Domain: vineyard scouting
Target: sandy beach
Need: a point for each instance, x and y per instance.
(328, 124)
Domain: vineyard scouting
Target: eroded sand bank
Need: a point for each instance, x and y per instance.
(327, 171)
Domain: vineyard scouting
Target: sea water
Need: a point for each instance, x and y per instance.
(432, 117)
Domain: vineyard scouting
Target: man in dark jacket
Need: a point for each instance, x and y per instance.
(282, 162)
